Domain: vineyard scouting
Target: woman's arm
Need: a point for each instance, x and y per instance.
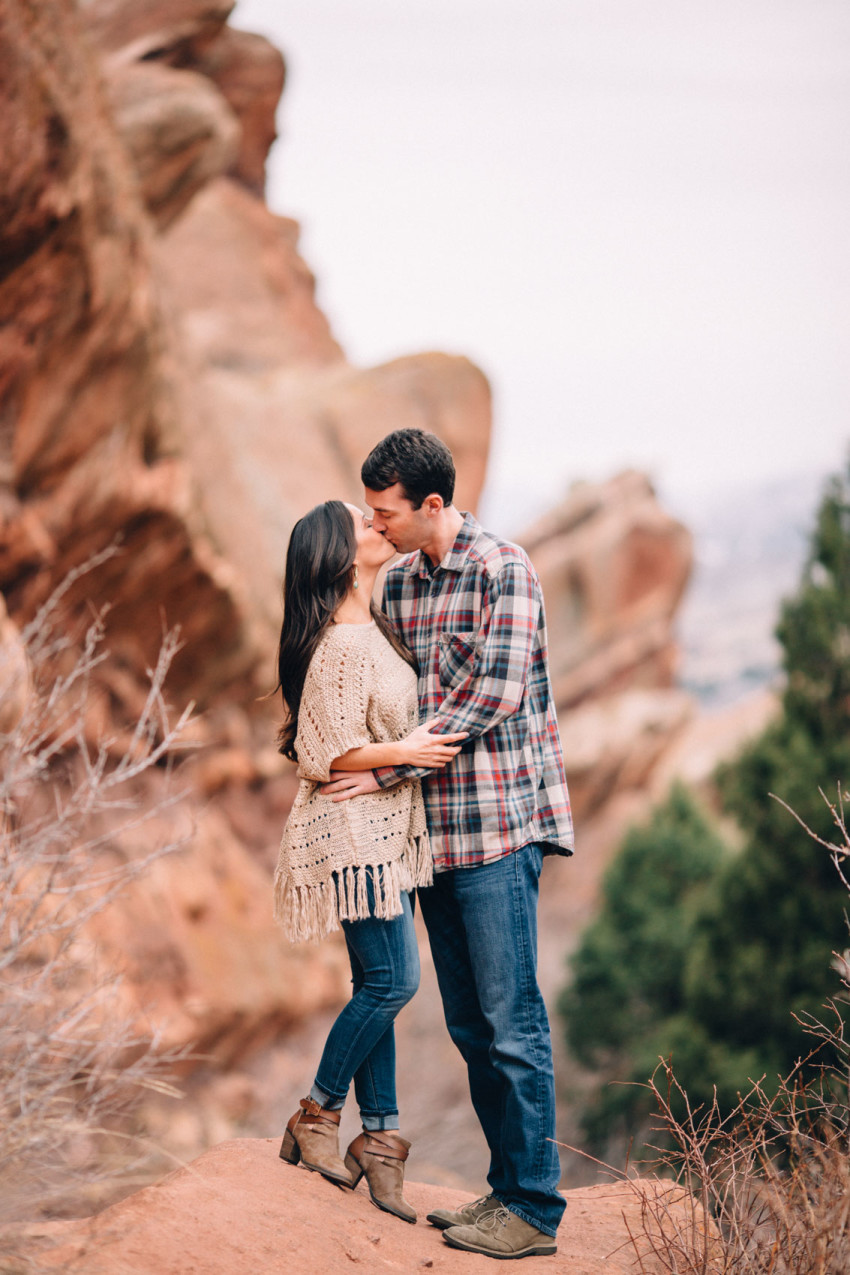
(419, 748)
(368, 756)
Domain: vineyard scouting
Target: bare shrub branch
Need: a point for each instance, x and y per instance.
(77, 801)
(765, 1190)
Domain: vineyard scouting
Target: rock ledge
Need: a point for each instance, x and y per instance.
(239, 1209)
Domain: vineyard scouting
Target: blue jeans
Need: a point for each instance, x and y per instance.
(482, 923)
(384, 959)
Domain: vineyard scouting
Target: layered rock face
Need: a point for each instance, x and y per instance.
(91, 428)
(166, 373)
(613, 566)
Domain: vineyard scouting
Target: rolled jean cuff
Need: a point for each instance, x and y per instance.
(376, 1124)
(532, 1221)
(326, 1100)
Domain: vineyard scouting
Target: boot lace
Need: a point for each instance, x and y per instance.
(499, 1218)
(470, 1208)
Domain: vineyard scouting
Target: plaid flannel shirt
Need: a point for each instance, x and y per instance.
(476, 625)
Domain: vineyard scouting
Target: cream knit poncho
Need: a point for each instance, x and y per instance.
(357, 691)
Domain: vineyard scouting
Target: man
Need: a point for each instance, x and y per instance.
(470, 608)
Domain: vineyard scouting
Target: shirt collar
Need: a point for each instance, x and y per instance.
(456, 556)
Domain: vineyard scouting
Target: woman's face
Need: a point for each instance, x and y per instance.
(373, 550)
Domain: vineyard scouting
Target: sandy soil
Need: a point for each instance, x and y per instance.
(240, 1209)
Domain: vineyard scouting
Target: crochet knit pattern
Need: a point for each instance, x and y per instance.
(357, 691)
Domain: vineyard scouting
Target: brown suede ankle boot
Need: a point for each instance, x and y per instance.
(312, 1136)
(381, 1156)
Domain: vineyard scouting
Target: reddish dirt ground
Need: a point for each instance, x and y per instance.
(239, 1209)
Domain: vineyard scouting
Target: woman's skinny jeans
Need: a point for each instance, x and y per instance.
(384, 958)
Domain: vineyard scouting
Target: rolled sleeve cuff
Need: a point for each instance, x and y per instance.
(386, 776)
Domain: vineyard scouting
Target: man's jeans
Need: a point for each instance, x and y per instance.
(384, 958)
(482, 923)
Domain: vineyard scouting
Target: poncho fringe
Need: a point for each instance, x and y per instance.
(310, 912)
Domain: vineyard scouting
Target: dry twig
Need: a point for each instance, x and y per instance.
(73, 825)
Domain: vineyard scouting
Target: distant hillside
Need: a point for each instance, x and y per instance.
(750, 544)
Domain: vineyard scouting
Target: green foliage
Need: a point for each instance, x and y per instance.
(762, 946)
(713, 963)
(814, 628)
(627, 973)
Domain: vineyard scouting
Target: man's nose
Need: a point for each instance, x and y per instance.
(378, 524)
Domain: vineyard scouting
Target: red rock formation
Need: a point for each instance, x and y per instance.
(90, 416)
(166, 377)
(238, 1209)
(140, 370)
(172, 31)
(278, 419)
(14, 674)
(613, 566)
(178, 132)
(249, 73)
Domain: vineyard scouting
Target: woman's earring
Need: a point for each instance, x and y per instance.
(356, 581)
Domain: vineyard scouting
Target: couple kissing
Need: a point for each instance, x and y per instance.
(430, 769)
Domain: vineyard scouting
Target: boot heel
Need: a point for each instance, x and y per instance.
(354, 1169)
(289, 1150)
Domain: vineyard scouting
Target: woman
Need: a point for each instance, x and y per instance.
(349, 689)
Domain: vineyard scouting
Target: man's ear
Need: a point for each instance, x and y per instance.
(433, 503)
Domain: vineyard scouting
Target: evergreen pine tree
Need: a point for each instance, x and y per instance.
(626, 989)
(761, 953)
(712, 965)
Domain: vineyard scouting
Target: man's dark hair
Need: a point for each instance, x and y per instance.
(420, 462)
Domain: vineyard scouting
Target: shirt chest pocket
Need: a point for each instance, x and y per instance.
(457, 657)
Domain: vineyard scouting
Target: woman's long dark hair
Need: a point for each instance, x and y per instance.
(319, 573)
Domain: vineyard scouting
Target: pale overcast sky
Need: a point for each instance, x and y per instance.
(631, 213)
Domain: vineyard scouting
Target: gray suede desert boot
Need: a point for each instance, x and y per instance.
(502, 1235)
(467, 1215)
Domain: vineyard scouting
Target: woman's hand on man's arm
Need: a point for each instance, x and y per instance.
(419, 748)
(351, 773)
(422, 748)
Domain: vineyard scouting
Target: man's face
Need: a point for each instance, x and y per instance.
(406, 528)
